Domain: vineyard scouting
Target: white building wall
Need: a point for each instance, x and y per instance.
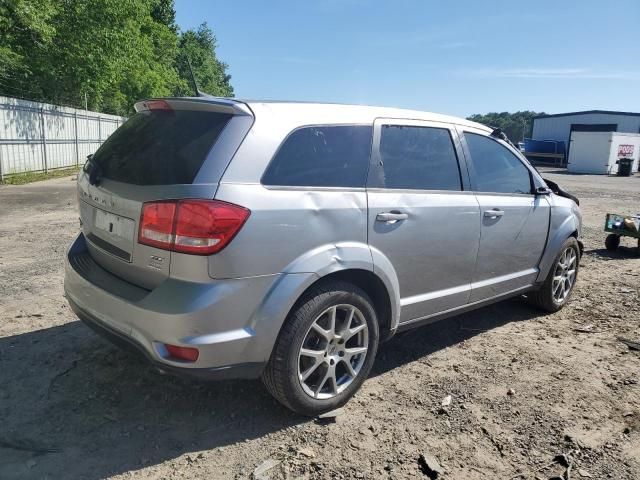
(559, 128)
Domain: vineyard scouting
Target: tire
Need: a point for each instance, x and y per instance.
(612, 242)
(283, 375)
(548, 296)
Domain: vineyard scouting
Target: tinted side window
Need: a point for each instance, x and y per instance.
(419, 158)
(324, 156)
(160, 147)
(497, 169)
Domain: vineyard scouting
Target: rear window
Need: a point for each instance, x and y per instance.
(322, 156)
(160, 147)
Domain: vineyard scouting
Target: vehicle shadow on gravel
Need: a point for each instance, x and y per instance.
(73, 406)
(414, 344)
(623, 252)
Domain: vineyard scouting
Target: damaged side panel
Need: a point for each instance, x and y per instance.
(565, 222)
(282, 223)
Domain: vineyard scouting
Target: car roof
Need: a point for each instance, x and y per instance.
(305, 112)
(366, 113)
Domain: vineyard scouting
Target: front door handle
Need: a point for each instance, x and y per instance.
(391, 217)
(494, 213)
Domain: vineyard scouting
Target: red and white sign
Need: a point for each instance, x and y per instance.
(625, 151)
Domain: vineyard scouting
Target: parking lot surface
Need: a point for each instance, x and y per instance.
(525, 387)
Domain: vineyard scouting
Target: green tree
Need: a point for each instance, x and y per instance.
(516, 125)
(25, 29)
(163, 12)
(199, 46)
(111, 52)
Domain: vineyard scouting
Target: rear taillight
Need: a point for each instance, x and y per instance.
(200, 227)
(156, 224)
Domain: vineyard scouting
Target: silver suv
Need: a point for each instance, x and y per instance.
(241, 239)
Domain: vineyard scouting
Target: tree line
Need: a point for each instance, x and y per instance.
(107, 53)
(516, 125)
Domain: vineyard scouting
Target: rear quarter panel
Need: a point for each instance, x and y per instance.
(287, 225)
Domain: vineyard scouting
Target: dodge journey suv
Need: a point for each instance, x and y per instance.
(241, 239)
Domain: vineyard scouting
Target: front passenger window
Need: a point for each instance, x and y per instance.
(496, 168)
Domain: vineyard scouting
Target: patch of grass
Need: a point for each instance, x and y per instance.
(28, 177)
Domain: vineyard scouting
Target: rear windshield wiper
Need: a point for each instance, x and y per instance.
(93, 169)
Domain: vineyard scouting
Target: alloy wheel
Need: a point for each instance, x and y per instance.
(565, 275)
(333, 351)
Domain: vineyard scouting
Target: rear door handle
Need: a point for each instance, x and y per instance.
(391, 217)
(493, 213)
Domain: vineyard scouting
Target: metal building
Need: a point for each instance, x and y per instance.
(552, 133)
(559, 126)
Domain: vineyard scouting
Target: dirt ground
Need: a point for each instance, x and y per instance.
(525, 387)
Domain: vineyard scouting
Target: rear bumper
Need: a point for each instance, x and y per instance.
(218, 317)
(245, 370)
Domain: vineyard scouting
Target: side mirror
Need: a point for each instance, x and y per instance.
(543, 191)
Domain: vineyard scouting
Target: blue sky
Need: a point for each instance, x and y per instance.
(458, 57)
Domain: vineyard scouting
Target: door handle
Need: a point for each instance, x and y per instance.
(391, 217)
(493, 213)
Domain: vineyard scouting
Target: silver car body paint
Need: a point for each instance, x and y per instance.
(447, 256)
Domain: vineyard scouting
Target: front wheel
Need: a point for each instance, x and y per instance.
(325, 350)
(556, 290)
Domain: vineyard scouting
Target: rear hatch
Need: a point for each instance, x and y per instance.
(169, 149)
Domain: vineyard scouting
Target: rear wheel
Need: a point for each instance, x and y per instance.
(557, 288)
(612, 242)
(325, 350)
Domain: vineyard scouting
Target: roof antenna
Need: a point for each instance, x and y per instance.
(194, 84)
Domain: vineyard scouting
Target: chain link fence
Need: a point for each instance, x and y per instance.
(39, 137)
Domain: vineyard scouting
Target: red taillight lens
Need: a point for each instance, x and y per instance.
(188, 354)
(200, 227)
(156, 224)
(207, 227)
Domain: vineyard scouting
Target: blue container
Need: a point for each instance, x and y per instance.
(544, 146)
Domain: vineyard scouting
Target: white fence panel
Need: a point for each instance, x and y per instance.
(40, 137)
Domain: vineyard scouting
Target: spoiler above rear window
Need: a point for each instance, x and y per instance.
(211, 104)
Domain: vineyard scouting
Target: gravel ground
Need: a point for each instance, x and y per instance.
(524, 387)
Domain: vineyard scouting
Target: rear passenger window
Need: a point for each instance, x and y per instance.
(419, 158)
(496, 168)
(326, 156)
